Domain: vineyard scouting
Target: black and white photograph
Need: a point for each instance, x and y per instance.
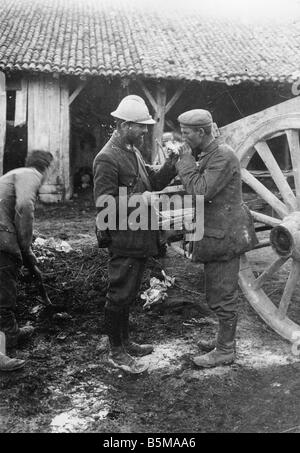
(149, 219)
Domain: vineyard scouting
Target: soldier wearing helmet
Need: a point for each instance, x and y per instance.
(210, 168)
(120, 165)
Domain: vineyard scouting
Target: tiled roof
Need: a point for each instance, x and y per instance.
(105, 38)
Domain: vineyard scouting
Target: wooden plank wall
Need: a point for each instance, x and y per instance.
(2, 118)
(48, 129)
(65, 138)
(21, 104)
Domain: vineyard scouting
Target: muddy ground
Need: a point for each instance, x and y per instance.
(67, 385)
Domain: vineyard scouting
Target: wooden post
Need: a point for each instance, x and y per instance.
(48, 129)
(76, 92)
(65, 139)
(175, 97)
(21, 104)
(2, 118)
(170, 124)
(159, 116)
(160, 107)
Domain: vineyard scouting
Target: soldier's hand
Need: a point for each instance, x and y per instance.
(184, 150)
(172, 156)
(29, 259)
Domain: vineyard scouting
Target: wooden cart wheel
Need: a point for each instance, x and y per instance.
(277, 313)
(259, 288)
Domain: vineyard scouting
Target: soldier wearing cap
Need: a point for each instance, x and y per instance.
(210, 168)
(120, 165)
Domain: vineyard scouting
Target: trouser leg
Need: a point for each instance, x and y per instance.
(130, 346)
(8, 294)
(124, 279)
(221, 279)
(221, 286)
(112, 323)
(221, 283)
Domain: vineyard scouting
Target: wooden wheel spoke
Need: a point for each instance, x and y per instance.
(266, 219)
(286, 192)
(288, 290)
(264, 193)
(272, 269)
(294, 145)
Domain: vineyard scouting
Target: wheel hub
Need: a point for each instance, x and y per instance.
(285, 238)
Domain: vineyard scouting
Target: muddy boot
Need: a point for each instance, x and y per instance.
(224, 352)
(8, 364)
(130, 346)
(15, 336)
(9, 326)
(207, 345)
(22, 335)
(118, 357)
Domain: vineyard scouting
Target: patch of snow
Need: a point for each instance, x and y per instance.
(251, 353)
(85, 409)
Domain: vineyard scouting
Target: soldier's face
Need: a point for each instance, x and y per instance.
(135, 133)
(192, 137)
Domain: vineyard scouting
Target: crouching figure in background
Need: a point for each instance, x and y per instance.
(18, 192)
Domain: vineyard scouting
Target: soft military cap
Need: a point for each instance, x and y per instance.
(196, 117)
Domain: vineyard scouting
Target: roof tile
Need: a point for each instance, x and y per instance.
(89, 37)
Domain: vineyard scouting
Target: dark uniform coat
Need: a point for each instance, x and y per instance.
(228, 226)
(117, 166)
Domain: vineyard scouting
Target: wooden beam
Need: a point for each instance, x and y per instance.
(14, 84)
(175, 98)
(160, 108)
(158, 129)
(65, 139)
(21, 104)
(76, 92)
(48, 129)
(2, 118)
(170, 124)
(148, 94)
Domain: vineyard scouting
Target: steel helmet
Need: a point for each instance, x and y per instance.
(133, 108)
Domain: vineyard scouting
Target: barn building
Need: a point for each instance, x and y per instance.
(65, 65)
